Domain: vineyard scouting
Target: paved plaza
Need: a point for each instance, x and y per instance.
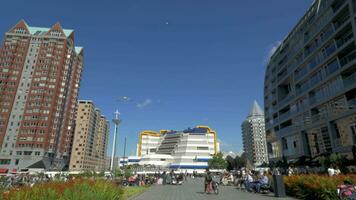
(193, 190)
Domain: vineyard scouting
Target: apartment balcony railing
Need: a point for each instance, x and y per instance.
(313, 100)
(268, 125)
(300, 74)
(275, 120)
(318, 117)
(344, 39)
(352, 103)
(286, 99)
(350, 80)
(284, 131)
(338, 4)
(341, 21)
(282, 75)
(284, 116)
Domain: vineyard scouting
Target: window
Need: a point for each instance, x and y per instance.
(284, 143)
(202, 148)
(353, 130)
(5, 161)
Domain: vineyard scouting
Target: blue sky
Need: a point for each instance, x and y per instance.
(182, 62)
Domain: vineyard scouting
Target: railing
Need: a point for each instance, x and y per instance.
(341, 20)
(300, 74)
(318, 117)
(312, 100)
(286, 99)
(346, 37)
(284, 116)
(330, 50)
(338, 5)
(332, 67)
(282, 75)
(348, 58)
(350, 80)
(352, 103)
(285, 130)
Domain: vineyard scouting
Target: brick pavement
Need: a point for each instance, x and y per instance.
(193, 190)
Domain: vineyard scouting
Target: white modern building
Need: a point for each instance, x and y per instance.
(131, 160)
(254, 136)
(185, 150)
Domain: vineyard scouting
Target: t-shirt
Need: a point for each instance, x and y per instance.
(208, 177)
(264, 180)
(331, 172)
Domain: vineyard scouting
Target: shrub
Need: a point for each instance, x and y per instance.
(315, 186)
(71, 190)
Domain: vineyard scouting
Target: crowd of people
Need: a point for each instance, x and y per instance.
(26, 179)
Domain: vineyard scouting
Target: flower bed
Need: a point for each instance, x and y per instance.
(71, 190)
(315, 186)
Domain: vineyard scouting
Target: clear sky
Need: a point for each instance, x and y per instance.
(182, 62)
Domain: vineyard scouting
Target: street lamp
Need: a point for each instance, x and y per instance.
(116, 121)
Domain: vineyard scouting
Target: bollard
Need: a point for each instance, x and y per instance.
(278, 183)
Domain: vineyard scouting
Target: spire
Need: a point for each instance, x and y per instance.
(256, 110)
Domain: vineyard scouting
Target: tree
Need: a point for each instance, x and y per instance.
(240, 161)
(231, 163)
(337, 159)
(217, 162)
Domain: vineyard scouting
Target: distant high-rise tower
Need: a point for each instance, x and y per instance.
(40, 72)
(90, 139)
(254, 136)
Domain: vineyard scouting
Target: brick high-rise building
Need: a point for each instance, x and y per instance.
(40, 72)
(90, 139)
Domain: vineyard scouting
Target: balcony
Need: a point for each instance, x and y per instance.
(337, 5)
(285, 131)
(286, 99)
(329, 50)
(352, 103)
(317, 117)
(313, 100)
(351, 80)
(300, 74)
(284, 116)
(348, 58)
(345, 38)
(332, 67)
(341, 20)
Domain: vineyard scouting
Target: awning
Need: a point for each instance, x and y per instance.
(3, 171)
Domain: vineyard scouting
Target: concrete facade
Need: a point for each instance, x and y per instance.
(40, 72)
(90, 139)
(310, 85)
(254, 136)
(188, 149)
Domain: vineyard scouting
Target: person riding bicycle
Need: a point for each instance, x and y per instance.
(208, 181)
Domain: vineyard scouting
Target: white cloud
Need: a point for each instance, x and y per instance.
(144, 104)
(225, 144)
(272, 48)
